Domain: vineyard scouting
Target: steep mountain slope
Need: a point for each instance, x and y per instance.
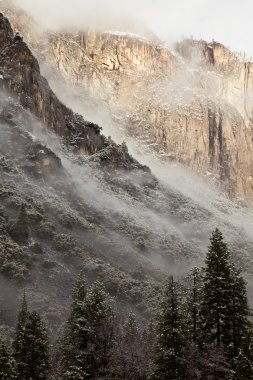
(79, 209)
(87, 204)
(193, 105)
(62, 215)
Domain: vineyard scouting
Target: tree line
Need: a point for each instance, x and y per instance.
(202, 330)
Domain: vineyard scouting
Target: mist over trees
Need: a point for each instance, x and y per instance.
(201, 331)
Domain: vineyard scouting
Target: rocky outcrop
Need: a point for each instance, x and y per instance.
(20, 75)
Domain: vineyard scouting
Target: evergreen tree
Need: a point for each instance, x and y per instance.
(73, 359)
(18, 343)
(7, 363)
(31, 346)
(88, 333)
(192, 287)
(243, 365)
(244, 368)
(193, 298)
(35, 347)
(100, 320)
(168, 353)
(241, 327)
(217, 294)
(224, 307)
(214, 364)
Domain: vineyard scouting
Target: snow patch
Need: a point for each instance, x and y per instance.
(127, 34)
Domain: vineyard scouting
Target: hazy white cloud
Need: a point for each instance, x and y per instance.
(229, 21)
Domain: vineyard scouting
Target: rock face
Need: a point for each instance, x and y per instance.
(20, 75)
(193, 105)
(109, 64)
(24, 80)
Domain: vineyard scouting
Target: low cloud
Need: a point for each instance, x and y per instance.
(228, 21)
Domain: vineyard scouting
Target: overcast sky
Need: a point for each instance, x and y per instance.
(228, 21)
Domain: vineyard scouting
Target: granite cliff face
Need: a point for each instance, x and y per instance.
(194, 108)
(192, 105)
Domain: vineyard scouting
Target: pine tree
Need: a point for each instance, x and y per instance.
(193, 298)
(244, 368)
(35, 348)
(243, 364)
(193, 290)
(168, 352)
(78, 323)
(18, 343)
(100, 320)
(217, 294)
(73, 361)
(31, 346)
(240, 311)
(214, 364)
(7, 363)
(88, 333)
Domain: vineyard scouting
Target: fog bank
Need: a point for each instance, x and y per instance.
(228, 21)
